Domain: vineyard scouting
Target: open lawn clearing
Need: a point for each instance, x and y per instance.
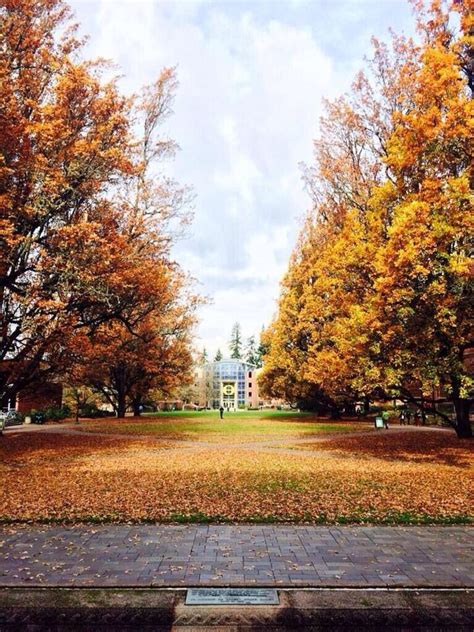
(49, 476)
(236, 414)
(210, 428)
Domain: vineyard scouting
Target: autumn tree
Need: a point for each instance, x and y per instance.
(125, 367)
(87, 218)
(150, 348)
(64, 143)
(424, 290)
(77, 397)
(378, 298)
(286, 342)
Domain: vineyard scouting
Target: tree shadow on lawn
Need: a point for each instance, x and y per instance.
(414, 447)
(23, 448)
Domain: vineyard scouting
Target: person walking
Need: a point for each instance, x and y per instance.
(221, 412)
(385, 417)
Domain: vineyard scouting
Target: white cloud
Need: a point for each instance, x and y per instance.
(251, 83)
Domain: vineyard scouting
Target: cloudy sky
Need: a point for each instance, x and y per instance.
(252, 77)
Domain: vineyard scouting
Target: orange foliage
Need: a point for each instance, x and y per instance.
(84, 227)
(378, 295)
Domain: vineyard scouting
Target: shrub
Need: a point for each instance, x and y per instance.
(373, 408)
(53, 413)
(56, 413)
(37, 417)
(91, 410)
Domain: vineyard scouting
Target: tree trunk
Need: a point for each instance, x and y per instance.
(119, 381)
(463, 424)
(423, 412)
(335, 413)
(121, 406)
(136, 404)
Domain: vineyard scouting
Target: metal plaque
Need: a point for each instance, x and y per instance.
(232, 596)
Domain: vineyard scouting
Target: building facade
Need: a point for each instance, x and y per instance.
(229, 383)
(38, 395)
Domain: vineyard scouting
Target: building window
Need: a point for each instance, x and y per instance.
(250, 393)
(250, 373)
(250, 384)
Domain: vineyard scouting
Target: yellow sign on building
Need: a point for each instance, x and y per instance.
(228, 389)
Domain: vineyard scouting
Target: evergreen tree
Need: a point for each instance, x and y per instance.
(262, 349)
(218, 357)
(235, 344)
(203, 357)
(251, 352)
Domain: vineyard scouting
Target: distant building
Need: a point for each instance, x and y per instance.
(38, 395)
(229, 383)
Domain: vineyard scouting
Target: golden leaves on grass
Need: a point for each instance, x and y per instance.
(124, 479)
(438, 447)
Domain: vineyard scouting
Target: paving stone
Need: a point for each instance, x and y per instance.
(167, 555)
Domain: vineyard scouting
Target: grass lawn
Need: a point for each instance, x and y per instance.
(141, 471)
(239, 414)
(238, 427)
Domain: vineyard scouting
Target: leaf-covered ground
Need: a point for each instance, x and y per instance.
(435, 447)
(395, 476)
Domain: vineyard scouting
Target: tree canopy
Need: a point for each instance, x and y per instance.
(378, 296)
(86, 219)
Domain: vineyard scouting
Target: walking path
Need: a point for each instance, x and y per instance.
(223, 555)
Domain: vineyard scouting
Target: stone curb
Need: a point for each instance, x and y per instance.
(71, 610)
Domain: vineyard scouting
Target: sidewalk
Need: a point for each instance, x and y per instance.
(222, 555)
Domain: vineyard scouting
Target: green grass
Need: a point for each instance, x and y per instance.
(241, 414)
(246, 426)
(198, 517)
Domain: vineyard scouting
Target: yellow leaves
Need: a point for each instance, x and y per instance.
(378, 287)
(461, 265)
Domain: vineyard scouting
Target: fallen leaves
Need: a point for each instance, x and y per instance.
(352, 478)
(436, 446)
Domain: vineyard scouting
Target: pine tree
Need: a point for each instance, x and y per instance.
(235, 344)
(262, 349)
(251, 353)
(203, 357)
(218, 357)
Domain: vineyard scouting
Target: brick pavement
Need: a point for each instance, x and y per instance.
(223, 555)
